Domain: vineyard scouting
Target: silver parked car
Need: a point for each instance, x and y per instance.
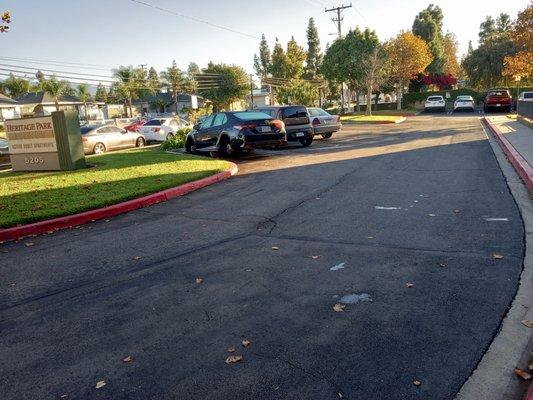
(98, 139)
(323, 122)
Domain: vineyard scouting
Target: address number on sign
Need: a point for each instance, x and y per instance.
(34, 160)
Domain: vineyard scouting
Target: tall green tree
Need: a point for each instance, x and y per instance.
(484, 65)
(15, 86)
(153, 79)
(101, 93)
(174, 79)
(68, 90)
(294, 60)
(278, 65)
(262, 62)
(85, 96)
(428, 25)
(54, 88)
(314, 55)
(127, 86)
(230, 84)
(193, 69)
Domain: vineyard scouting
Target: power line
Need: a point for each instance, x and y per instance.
(55, 71)
(194, 19)
(57, 63)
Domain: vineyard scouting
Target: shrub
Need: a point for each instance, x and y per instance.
(177, 141)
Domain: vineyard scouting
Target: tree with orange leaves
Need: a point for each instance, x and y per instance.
(409, 55)
(520, 65)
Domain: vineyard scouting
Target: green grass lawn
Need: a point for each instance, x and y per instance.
(371, 118)
(34, 196)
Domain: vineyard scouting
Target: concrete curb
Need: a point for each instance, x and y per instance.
(37, 228)
(494, 377)
(515, 158)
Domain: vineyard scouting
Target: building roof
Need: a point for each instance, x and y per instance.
(7, 100)
(167, 97)
(45, 98)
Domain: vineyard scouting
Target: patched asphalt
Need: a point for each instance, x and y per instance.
(402, 208)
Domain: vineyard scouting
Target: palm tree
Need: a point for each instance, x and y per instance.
(174, 79)
(126, 85)
(84, 96)
(16, 87)
(55, 88)
(158, 104)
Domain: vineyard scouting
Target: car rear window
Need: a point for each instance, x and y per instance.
(295, 112)
(317, 112)
(88, 128)
(528, 95)
(435, 98)
(499, 93)
(154, 122)
(251, 115)
(464, 98)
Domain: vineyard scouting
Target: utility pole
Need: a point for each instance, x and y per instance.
(338, 21)
(251, 91)
(142, 67)
(339, 18)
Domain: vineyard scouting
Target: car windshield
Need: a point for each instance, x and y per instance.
(463, 98)
(88, 128)
(251, 115)
(317, 112)
(435, 98)
(154, 122)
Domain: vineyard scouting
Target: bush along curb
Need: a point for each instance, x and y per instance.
(520, 164)
(69, 221)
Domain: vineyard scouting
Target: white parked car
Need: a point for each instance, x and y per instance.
(161, 129)
(464, 102)
(435, 103)
(527, 96)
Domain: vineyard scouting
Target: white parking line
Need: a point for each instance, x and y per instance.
(338, 267)
(387, 208)
(496, 219)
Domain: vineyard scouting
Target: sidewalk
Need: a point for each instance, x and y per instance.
(516, 141)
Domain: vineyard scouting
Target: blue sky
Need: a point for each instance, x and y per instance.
(114, 32)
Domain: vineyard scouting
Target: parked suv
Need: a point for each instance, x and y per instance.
(297, 122)
(229, 133)
(498, 99)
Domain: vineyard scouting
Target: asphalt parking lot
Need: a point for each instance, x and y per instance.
(398, 222)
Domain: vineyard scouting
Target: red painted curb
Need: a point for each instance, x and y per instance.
(69, 221)
(519, 163)
(529, 395)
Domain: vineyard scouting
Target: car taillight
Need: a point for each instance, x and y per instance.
(279, 124)
(84, 139)
(316, 121)
(244, 127)
(157, 129)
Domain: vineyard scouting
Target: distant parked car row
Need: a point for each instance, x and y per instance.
(230, 133)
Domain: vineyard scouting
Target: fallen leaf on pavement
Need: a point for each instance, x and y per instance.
(315, 257)
(233, 359)
(442, 265)
(530, 366)
(527, 323)
(199, 280)
(231, 349)
(28, 244)
(246, 343)
(522, 374)
(417, 383)
(457, 211)
(339, 307)
(136, 258)
(100, 384)
(432, 215)
(64, 396)
(497, 256)
(275, 248)
(128, 359)
(410, 285)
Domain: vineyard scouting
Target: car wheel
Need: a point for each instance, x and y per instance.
(170, 136)
(190, 147)
(307, 141)
(327, 135)
(225, 149)
(140, 142)
(99, 148)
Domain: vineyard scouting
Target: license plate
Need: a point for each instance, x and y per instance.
(299, 134)
(264, 129)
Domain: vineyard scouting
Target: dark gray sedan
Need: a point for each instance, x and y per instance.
(98, 139)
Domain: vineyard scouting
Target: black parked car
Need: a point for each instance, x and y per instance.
(229, 133)
(297, 122)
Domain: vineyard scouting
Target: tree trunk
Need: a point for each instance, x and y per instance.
(357, 96)
(131, 107)
(175, 94)
(399, 91)
(86, 112)
(57, 104)
(369, 100)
